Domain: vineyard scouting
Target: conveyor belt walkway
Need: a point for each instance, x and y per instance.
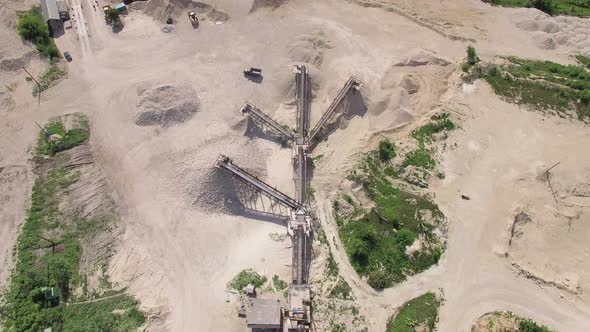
(352, 83)
(226, 163)
(266, 121)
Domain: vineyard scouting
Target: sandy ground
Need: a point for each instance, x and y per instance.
(180, 247)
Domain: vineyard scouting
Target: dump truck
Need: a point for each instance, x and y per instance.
(194, 19)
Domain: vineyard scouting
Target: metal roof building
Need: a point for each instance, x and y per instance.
(51, 14)
(50, 11)
(264, 314)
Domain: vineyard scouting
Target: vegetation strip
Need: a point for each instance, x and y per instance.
(580, 8)
(48, 253)
(541, 85)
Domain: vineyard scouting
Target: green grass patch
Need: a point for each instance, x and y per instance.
(421, 157)
(119, 313)
(421, 311)
(332, 266)
(279, 283)
(245, 278)
(69, 138)
(440, 123)
(543, 85)
(580, 8)
(341, 290)
(52, 74)
(528, 325)
(42, 281)
(584, 60)
(32, 27)
(376, 242)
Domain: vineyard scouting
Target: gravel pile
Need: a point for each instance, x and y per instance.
(214, 190)
(166, 105)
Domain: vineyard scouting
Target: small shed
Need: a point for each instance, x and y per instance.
(264, 314)
(51, 15)
(120, 7)
(250, 290)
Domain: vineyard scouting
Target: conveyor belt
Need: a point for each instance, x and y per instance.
(262, 119)
(352, 83)
(227, 164)
(302, 94)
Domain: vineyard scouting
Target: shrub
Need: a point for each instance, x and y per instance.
(528, 325)
(546, 6)
(279, 283)
(246, 277)
(386, 150)
(472, 57)
(440, 122)
(341, 290)
(112, 16)
(465, 67)
(31, 27)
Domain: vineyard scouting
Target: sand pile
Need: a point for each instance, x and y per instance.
(421, 57)
(310, 48)
(160, 10)
(166, 105)
(549, 33)
(273, 4)
(544, 41)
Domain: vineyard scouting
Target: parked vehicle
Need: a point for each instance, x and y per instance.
(68, 56)
(169, 20)
(194, 19)
(253, 72)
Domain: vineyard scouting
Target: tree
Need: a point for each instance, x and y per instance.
(112, 16)
(32, 28)
(543, 5)
(386, 150)
(472, 57)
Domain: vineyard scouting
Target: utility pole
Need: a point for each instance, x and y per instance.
(44, 130)
(38, 85)
(549, 180)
